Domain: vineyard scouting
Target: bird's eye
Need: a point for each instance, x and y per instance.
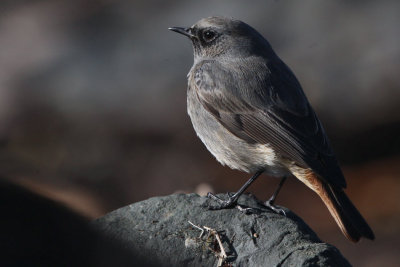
(209, 35)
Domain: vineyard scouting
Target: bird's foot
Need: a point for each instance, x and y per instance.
(229, 203)
(270, 204)
(222, 204)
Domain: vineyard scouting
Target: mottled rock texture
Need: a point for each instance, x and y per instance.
(158, 229)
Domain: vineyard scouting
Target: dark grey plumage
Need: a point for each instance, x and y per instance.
(255, 96)
(250, 111)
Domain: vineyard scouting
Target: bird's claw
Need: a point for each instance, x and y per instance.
(223, 204)
(269, 204)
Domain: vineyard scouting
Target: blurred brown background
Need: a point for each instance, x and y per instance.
(93, 104)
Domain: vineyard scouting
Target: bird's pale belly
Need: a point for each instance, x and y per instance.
(227, 148)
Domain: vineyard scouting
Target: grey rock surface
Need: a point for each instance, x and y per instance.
(159, 229)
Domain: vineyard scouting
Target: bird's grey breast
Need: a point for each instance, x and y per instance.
(227, 148)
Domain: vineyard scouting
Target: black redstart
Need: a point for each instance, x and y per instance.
(250, 111)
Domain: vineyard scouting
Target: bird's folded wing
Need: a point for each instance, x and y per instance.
(268, 108)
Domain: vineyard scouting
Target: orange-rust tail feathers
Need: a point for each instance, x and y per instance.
(347, 217)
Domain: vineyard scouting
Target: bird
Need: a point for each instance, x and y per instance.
(250, 111)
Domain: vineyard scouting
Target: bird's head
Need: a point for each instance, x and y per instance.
(224, 37)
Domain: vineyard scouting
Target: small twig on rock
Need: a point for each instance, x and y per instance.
(215, 233)
(198, 227)
(221, 254)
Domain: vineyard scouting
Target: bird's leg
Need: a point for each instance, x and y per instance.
(270, 202)
(232, 199)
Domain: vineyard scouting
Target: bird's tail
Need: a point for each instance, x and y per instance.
(347, 217)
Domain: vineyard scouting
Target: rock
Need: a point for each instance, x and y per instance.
(159, 229)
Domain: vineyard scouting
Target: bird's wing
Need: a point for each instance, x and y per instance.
(268, 107)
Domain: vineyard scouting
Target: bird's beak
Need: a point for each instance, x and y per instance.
(184, 31)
